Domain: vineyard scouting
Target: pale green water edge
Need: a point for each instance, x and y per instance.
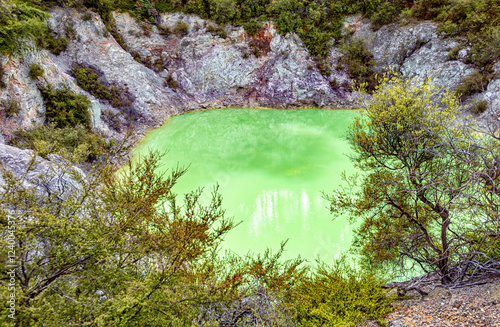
(272, 166)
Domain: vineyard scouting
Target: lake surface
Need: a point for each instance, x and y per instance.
(272, 166)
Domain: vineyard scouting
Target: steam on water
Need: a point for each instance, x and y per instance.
(272, 166)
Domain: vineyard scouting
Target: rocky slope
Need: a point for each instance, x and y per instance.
(170, 74)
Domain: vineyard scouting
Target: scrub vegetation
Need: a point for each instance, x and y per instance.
(318, 23)
(123, 250)
(428, 197)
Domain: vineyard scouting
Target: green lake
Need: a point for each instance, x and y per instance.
(272, 167)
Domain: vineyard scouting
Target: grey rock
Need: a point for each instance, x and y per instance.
(95, 113)
(55, 176)
(206, 70)
(431, 61)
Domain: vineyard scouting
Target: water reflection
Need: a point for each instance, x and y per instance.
(271, 166)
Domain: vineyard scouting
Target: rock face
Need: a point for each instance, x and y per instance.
(193, 68)
(52, 176)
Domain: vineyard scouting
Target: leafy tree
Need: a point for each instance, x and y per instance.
(414, 196)
(114, 250)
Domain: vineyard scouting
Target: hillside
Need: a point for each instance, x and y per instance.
(81, 81)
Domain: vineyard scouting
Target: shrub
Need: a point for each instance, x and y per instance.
(223, 11)
(479, 106)
(54, 45)
(359, 62)
(474, 83)
(86, 17)
(385, 13)
(220, 31)
(165, 31)
(65, 108)
(36, 71)
(252, 27)
(339, 296)
(76, 144)
(453, 54)
(170, 82)
(258, 46)
(116, 35)
(88, 80)
(20, 21)
(323, 66)
(181, 28)
(427, 9)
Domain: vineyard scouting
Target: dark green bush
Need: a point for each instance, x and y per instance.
(88, 80)
(65, 108)
(86, 17)
(252, 27)
(20, 21)
(338, 296)
(223, 11)
(116, 35)
(181, 28)
(51, 43)
(479, 106)
(359, 61)
(385, 13)
(453, 54)
(428, 9)
(258, 46)
(165, 31)
(170, 82)
(77, 143)
(36, 71)
(474, 83)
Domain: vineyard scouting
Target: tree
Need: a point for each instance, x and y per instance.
(114, 249)
(119, 248)
(415, 194)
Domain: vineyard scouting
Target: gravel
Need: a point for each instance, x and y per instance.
(477, 305)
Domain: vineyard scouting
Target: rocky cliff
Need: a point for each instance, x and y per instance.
(170, 73)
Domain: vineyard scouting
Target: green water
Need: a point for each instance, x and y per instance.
(272, 166)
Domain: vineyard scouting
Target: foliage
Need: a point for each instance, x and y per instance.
(252, 27)
(48, 41)
(2, 76)
(20, 21)
(170, 82)
(65, 108)
(181, 28)
(428, 9)
(223, 11)
(474, 83)
(88, 80)
(480, 106)
(219, 30)
(339, 295)
(415, 196)
(36, 71)
(359, 62)
(76, 144)
(11, 107)
(119, 249)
